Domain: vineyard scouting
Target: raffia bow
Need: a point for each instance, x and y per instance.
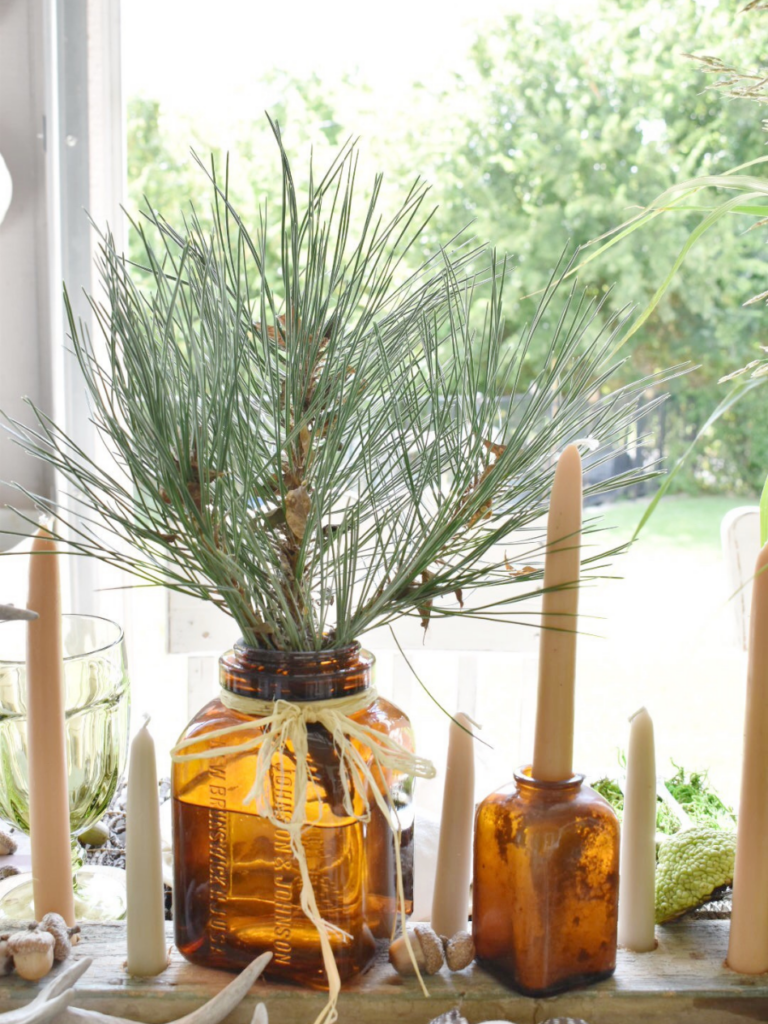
(282, 724)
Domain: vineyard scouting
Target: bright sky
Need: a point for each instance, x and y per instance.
(206, 58)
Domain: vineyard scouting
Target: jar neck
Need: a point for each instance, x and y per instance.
(539, 790)
(295, 675)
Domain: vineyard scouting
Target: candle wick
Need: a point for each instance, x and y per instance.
(638, 712)
(147, 719)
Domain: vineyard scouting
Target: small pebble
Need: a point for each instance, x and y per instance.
(96, 835)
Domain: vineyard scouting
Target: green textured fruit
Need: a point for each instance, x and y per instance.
(692, 866)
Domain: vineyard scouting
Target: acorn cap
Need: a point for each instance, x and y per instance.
(459, 951)
(432, 947)
(29, 942)
(56, 926)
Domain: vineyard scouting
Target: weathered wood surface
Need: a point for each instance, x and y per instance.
(684, 981)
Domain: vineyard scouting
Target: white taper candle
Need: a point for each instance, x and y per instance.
(450, 901)
(637, 871)
(748, 943)
(147, 952)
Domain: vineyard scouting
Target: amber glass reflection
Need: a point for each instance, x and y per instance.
(237, 884)
(546, 884)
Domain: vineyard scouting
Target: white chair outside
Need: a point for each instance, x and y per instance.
(740, 536)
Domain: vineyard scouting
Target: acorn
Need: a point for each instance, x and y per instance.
(427, 950)
(32, 953)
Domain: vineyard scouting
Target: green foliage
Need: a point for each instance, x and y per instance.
(310, 435)
(700, 802)
(611, 791)
(666, 822)
(732, 455)
(560, 127)
(691, 790)
(575, 122)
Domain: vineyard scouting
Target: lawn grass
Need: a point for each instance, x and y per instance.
(679, 521)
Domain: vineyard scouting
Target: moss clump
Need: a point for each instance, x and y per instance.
(698, 800)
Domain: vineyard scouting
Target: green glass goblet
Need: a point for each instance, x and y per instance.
(97, 715)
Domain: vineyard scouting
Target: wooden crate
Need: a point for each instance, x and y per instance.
(684, 981)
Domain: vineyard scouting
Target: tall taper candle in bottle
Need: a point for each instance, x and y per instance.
(553, 745)
(545, 894)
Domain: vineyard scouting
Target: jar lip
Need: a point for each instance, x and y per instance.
(295, 675)
(524, 777)
(271, 655)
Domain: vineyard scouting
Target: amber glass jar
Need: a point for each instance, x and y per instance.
(237, 885)
(545, 893)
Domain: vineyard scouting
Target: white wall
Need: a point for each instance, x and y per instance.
(25, 359)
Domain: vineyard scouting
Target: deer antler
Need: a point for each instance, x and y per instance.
(212, 1012)
(9, 612)
(56, 997)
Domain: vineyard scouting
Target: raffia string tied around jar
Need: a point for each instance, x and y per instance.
(283, 724)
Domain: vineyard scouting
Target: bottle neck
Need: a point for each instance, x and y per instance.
(539, 790)
(295, 675)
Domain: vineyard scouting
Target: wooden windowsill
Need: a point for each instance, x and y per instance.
(683, 981)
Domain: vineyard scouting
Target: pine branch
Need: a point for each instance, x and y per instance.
(315, 438)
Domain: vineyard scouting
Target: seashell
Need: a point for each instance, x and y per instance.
(565, 1020)
(451, 1017)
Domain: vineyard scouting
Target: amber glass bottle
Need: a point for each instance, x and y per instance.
(545, 889)
(237, 885)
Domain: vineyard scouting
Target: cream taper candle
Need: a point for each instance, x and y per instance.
(51, 846)
(748, 943)
(450, 901)
(147, 952)
(637, 864)
(553, 745)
